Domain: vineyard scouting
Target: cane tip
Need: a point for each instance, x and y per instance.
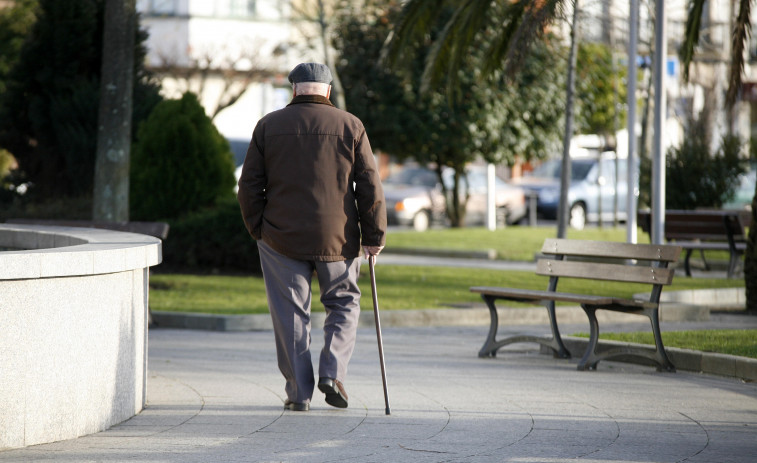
(387, 411)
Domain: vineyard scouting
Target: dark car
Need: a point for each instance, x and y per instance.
(414, 197)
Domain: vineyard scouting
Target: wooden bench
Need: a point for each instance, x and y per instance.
(594, 260)
(156, 229)
(702, 230)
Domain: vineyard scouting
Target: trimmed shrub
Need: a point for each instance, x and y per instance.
(180, 162)
(210, 240)
(695, 178)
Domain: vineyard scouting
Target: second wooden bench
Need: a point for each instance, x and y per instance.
(704, 230)
(593, 260)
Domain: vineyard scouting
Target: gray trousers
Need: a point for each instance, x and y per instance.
(288, 288)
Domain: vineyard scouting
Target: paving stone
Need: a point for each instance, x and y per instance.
(217, 396)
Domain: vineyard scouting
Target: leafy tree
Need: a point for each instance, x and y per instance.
(15, 22)
(7, 164)
(519, 24)
(48, 115)
(496, 118)
(180, 162)
(599, 90)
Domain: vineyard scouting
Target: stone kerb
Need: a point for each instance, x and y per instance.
(73, 330)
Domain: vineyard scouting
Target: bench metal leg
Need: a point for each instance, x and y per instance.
(663, 361)
(591, 357)
(686, 264)
(733, 264)
(491, 345)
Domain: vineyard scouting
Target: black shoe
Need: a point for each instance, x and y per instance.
(334, 390)
(296, 406)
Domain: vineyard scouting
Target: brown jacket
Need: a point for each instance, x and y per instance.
(309, 184)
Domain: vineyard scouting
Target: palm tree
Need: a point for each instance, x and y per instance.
(519, 24)
(742, 28)
(739, 41)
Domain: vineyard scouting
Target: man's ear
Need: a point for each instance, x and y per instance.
(294, 90)
(328, 92)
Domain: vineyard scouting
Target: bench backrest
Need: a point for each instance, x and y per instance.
(699, 225)
(608, 261)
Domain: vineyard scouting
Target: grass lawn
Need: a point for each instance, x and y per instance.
(399, 287)
(734, 342)
(518, 243)
(403, 288)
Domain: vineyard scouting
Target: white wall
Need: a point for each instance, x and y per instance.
(73, 350)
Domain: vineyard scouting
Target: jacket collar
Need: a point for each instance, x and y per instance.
(319, 99)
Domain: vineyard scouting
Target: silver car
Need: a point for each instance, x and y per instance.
(414, 197)
(592, 193)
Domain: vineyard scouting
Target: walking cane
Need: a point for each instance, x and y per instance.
(371, 263)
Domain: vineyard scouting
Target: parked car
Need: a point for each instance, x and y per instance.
(414, 197)
(592, 190)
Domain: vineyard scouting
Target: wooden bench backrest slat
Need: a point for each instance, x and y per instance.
(699, 225)
(604, 271)
(661, 253)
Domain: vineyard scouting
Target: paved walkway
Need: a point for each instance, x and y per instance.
(217, 397)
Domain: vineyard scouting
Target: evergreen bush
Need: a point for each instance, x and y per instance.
(179, 163)
(695, 177)
(210, 240)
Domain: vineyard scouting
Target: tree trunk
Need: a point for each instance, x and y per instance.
(454, 207)
(111, 191)
(563, 210)
(750, 261)
(337, 91)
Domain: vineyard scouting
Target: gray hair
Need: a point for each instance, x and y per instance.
(311, 88)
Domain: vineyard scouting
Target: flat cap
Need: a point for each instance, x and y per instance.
(310, 72)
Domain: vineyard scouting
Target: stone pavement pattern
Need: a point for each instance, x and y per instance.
(217, 397)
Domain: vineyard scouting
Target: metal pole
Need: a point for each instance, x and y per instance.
(658, 151)
(491, 206)
(371, 265)
(631, 226)
(563, 210)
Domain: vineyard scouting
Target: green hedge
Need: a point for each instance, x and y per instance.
(211, 240)
(180, 162)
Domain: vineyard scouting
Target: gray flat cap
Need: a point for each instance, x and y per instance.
(310, 72)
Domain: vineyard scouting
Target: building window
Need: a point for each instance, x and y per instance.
(243, 8)
(164, 7)
(236, 8)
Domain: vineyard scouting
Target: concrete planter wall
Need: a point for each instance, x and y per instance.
(73, 330)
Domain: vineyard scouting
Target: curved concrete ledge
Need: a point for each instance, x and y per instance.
(73, 324)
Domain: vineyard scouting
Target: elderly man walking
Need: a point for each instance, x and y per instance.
(310, 195)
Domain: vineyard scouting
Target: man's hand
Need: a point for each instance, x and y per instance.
(372, 250)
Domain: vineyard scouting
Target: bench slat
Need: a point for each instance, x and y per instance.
(603, 271)
(524, 295)
(593, 260)
(665, 253)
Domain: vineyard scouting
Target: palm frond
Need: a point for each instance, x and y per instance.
(451, 48)
(500, 48)
(535, 16)
(691, 36)
(739, 40)
(416, 19)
